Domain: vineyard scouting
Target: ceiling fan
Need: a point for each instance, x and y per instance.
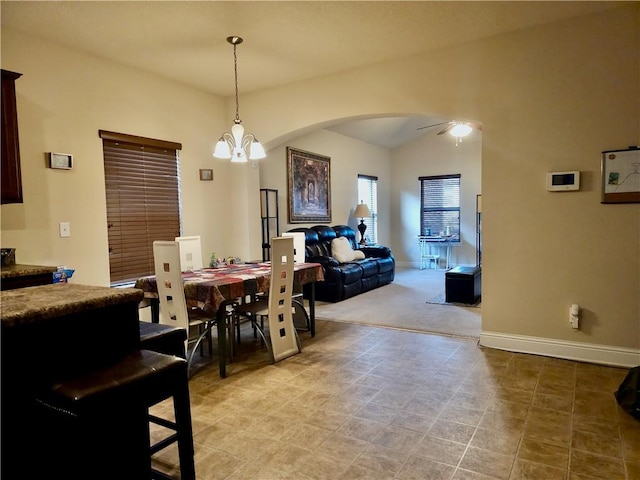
(455, 128)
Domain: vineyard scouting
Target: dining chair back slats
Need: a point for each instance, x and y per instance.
(190, 253)
(173, 306)
(282, 332)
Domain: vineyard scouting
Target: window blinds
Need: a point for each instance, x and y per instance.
(440, 205)
(143, 201)
(368, 193)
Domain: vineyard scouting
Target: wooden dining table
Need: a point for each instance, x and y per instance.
(213, 289)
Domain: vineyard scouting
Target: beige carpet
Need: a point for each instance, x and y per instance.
(402, 304)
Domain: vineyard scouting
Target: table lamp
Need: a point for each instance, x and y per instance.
(363, 212)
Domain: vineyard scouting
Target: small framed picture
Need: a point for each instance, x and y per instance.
(63, 161)
(206, 174)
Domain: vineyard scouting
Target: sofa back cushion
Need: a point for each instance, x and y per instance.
(325, 235)
(347, 232)
(319, 237)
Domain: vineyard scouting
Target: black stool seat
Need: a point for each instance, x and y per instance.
(163, 338)
(136, 378)
(103, 417)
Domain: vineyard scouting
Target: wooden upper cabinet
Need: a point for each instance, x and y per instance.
(10, 173)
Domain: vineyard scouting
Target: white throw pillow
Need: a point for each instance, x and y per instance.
(341, 250)
(358, 255)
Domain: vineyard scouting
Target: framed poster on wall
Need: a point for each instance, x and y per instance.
(309, 182)
(621, 176)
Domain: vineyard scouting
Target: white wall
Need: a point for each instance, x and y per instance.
(433, 154)
(397, 171)
(349, 157)
(550, 98)
(63, 112)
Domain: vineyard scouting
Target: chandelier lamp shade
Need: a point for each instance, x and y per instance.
(237, 146)
(362, 211)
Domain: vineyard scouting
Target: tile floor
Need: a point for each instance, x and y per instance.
(373, 403)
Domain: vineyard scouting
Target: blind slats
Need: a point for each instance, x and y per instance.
(368, 193)
(143, 201)
(440, 205)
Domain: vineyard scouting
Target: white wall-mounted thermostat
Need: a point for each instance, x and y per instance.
(563, 181)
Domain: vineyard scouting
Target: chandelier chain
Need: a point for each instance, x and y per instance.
(237, 146)
(235, 68)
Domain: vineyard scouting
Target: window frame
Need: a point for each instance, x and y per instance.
(442, 207)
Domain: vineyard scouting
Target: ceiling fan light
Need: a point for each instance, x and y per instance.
(460, 130)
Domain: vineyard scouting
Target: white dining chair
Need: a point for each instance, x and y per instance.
(283, 340)
(173, 306)
(190, 253)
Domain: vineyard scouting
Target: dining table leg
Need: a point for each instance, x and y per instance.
(312, 310)
(221, 320)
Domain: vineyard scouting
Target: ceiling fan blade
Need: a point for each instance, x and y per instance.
(434, 125)
(447, 128)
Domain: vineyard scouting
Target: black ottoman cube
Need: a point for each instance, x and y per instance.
(463, 285)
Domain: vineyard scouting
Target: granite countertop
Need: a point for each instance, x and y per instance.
(19, 270)
(33, 304)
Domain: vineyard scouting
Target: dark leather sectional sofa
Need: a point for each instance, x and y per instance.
(345, 280)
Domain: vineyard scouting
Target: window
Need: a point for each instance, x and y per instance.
(368, 193)
(440, 206)
(143, 201)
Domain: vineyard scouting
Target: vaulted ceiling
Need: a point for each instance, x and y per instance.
(284, 42)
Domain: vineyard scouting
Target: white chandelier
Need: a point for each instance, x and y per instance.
(235, 145)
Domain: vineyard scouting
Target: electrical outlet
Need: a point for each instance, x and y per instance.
(65, 229)
(574, 316)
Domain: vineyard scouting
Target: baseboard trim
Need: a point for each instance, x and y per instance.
(582, 352)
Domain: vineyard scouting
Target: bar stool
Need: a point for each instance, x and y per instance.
(101, 418)
(163, 338)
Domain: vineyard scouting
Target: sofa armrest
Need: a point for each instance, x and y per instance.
(323, 260)
(376, 251)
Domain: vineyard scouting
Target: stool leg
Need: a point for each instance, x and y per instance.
(182, 411)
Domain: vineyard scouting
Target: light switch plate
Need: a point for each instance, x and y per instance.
(65, 229)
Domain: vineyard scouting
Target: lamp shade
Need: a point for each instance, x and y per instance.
(362, 211)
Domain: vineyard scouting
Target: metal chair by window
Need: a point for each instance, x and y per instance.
(427, 256)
